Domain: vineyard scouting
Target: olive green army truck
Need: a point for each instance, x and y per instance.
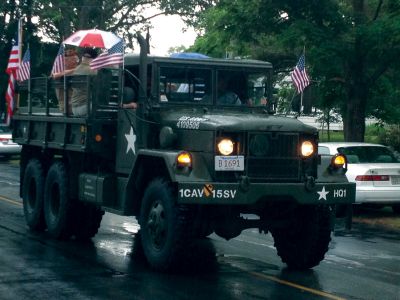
(196, 157)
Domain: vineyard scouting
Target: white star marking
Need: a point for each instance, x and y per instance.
(131, 139)
(322, 194)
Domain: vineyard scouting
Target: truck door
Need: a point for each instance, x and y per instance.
(126, 140)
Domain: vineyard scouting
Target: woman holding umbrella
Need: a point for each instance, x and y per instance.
(79, 94)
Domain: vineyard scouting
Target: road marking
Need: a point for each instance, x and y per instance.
(295, 285)
(5, 199)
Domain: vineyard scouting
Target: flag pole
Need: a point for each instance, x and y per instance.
(20, 43)
(302, 91)
(29, 86)
(65, 92)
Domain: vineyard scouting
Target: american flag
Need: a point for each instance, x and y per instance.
(12, 68)
(10, 97)
(13, 61)
(58, 65)
(299, 75)
(24, 71)
(113, 56)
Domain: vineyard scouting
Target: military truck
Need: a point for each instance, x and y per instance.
(182, 163)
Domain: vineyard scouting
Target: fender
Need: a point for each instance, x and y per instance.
(150, 164)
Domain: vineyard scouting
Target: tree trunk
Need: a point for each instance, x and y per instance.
(354, 121)
(357, 89)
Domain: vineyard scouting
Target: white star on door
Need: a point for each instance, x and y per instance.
(322, 194)
(131, 139)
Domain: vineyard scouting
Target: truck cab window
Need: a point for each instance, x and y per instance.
(183, 85)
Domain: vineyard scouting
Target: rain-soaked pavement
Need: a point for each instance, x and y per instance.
(361, 264)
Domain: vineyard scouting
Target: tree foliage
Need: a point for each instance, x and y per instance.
(48, 22)
(351, 48)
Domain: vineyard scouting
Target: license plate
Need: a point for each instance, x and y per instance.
(395, 179)
(229, 163)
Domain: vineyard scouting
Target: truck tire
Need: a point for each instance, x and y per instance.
(396, 209)
(88, 221)
(164, 226)
(57, 204)
(303, 244)
(32, 195)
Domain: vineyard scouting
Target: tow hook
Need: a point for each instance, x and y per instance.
(310, 183)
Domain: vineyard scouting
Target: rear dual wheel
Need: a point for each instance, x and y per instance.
(32, 195)
(58, 207)
(65, 216)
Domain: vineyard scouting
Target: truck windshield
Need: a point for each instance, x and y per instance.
(230, 87)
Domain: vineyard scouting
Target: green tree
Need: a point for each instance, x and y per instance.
(351, 47)
(55, 20)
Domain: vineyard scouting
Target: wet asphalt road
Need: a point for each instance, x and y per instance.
(361, 264)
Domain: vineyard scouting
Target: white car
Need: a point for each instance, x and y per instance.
(7, 146)
(374, 168)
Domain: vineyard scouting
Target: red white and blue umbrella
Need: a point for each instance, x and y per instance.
(93, 38)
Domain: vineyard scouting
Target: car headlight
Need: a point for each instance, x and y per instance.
(307, 148)
(225, 147)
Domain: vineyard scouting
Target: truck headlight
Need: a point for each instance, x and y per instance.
(307, 148)
(225, 147)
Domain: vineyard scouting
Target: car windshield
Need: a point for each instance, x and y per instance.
(368, 154)
(233, 87)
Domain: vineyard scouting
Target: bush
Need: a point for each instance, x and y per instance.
(390, 136)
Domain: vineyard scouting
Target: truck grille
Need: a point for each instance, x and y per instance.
(273, 156)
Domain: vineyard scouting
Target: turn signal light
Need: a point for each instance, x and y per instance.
(184, 159)
(338, 162)
(98, 138)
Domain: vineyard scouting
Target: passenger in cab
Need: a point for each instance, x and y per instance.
(226, 95)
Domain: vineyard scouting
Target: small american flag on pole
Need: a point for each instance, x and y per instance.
(24, 71)
(113, 56)
(299, 75)
(59, 64)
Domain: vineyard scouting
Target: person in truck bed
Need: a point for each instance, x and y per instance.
(79, 94)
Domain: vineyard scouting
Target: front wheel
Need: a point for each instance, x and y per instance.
(164, 226)
(303, 243)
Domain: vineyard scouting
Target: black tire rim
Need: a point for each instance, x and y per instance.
(157, 225)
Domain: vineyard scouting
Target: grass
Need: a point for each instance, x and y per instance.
(378, 217)
(372, 134)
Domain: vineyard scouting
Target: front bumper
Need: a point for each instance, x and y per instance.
(10, 148)
(237, 194)
(378, 195)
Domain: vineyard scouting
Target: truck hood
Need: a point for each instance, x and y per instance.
(231, 121)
